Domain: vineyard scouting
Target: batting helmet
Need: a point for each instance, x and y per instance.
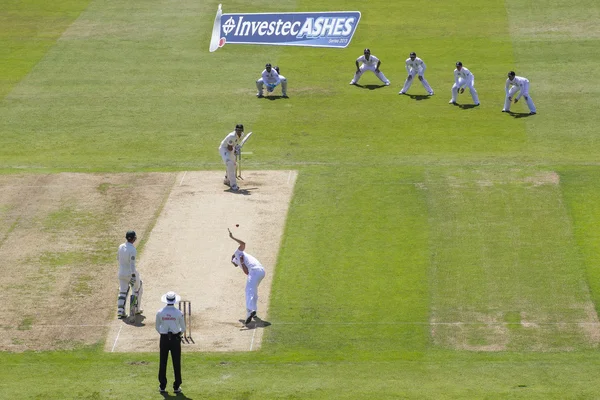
(459, 64)
(130, 235)
(413, 54)
(239, 126)
(268, 65)
(511, 74)
(367, 50)
(276, 69)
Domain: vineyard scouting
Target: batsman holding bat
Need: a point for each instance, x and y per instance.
(228, 149)
(255, 272)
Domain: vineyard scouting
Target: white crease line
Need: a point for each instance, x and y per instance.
(182, 178)
(117, 338)
(252, 342)
(289, 177)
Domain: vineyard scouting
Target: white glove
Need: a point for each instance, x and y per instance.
(237, 149)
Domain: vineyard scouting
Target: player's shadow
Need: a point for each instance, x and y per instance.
(138, 321)
(418, 97)
(175, 396)
(242, 191)
(466, 106)
(370, 87)
(519, 115)
(275, 97)
(255, 323)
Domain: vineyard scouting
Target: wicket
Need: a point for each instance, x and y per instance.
(185, 306)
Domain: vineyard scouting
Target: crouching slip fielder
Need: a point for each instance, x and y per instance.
(270, 77)
(463, 78)
(255, 272)
(228, 148)
(521, 85)
(415, 66)
(128, 274)
(369, 63)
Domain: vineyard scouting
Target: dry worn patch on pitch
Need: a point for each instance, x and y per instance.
(189, 251)
(58, 239)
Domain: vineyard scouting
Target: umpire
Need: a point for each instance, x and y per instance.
(170, 324)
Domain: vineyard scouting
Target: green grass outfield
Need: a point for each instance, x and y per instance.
(430, 251)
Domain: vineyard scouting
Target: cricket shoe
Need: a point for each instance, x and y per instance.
(178, 390)
(285, 96)
(505, 111)
(532, 113)
(352, 82)
(226, 182)
(401, 92)
(387, 84)
(259, 95)
(235, 188)
(161, 390)
(121, 316)
(431, 93)
(452, 102)
(252, 314)
(139, 312)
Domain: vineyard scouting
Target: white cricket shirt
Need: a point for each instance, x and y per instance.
(169, 319)
(249, 260)
(271, 77)
(417, 64)
(372, 61)
(126, 256)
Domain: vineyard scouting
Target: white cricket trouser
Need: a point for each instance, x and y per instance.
(411, 77)
(138, 290)
(524, 93)
(255, 276)
(260, 84)
(364, 68)
(229, 165)
(463, 83)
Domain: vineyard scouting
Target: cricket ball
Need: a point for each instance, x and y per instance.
(237, 225)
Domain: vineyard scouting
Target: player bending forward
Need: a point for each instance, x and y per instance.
(415, 67)
(271, 79)
(255, 272)
(521, 85)
(369, 63)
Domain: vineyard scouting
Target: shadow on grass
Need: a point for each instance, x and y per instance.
(175, 396)
(466, 106)
(257, 323)
(519, 115)
(417, 97)
(275, 97)
(370, 87)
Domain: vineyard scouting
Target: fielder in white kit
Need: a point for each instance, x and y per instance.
(271, 79)
(463, 78)
(128, 275)
(369, 63)
(255, 271)
(227, 149)
(521, 85)
(415, 67)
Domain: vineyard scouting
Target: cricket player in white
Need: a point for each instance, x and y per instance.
(521, 85)
(415, 67)
(128, 274)
(228, 149)
(270, 77)
(369, 63)
(255, 271)
(463, 78)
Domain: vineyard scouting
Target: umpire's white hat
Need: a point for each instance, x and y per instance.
(170, 298)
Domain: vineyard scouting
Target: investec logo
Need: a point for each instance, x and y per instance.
(311, 27)
(316, 29)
